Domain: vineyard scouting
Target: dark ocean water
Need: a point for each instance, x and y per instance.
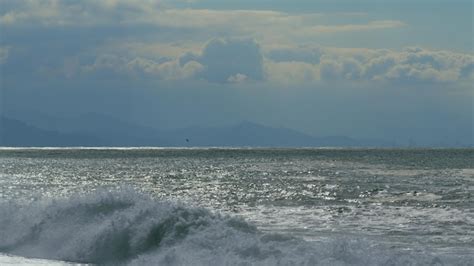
(238, 206)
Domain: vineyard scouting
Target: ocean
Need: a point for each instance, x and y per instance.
(240, 206)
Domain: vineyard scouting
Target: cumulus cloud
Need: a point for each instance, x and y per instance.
(220, 61)
(242, 60)
(345, 68)
(107, 65)
(226, 59)
(467, 70)
(419, 64)
(140, 53)
(237, 78)
(413, 64)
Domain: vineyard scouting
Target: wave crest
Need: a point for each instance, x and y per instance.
(131, 228)
(101, 227)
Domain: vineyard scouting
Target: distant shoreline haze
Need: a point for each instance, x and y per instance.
(100, 131)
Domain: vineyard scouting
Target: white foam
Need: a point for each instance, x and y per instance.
(130, 228)
(6, 259)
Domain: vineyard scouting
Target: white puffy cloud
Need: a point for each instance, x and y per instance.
(242, 60)
(237, 78)
(467, 70)
(265, 45)
(344, 68)
(420, 65)
(410, 65)
(112, 65)
(220, 61)
(169, 70)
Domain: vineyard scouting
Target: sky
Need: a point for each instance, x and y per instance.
(397, 70)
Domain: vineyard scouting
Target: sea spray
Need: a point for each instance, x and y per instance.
(127, 227)
(99, 227)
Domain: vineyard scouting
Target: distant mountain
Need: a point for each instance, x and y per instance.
(243, 134)
(256, 135)
(17, 133)
(115, 131)
(106, 130)
(100, 130)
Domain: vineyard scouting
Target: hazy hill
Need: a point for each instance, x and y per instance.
(17, 133)
(100, 130)
(252, 134)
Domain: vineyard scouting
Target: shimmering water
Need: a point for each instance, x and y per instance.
(415, 202)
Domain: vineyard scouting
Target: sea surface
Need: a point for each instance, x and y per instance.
(242, 206)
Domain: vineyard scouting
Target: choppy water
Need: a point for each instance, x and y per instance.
(239, 206)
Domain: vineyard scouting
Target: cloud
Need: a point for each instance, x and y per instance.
(372, 25)
(265, 25)
(171, 70)
(4, 54)
(237, 78)
(236, 60)
(345, 68)
(411, 65)
(310, 55)
(154, 40)
(467, 70)
(67, 13)
(226, 59)
(419, 64)
(113, 66)
(220, 61)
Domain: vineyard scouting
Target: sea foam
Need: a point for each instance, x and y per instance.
(127, 227)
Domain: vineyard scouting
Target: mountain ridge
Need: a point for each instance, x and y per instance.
(100, 130)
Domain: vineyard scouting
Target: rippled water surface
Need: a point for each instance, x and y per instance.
(403, 199)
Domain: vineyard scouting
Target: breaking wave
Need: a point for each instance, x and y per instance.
(127, 227)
